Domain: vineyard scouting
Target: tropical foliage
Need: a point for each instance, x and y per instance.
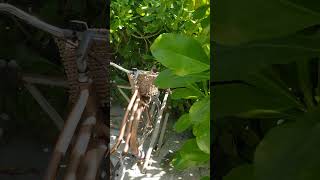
(266, 90)
(173, 36)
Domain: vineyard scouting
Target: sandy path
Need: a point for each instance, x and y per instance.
(160, 168)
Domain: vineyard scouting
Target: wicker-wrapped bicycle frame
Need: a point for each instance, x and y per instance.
(84, 135)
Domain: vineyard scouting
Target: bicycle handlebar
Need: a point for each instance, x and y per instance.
(53, 30)
(85, 36)
(58, 32)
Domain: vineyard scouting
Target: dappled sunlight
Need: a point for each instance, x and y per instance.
(160, 166)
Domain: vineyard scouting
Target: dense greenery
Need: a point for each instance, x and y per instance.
(135, 25)
(266, 94)
(173, 36)
(178, 53)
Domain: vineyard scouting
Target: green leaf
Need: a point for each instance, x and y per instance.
(182, 123)
(270, 82)
(205, 178)
(167, 79)
(200, 111)
(200, 12)
(263, 114)
(147, 57)
(243, 172)
(235, 62)
(202, 133)
(290, 151)
(205, 22)
(185, 93)
(147, 18)
(200, 118)
(189, 156)
(248, 20)
(152, 28)
(182, 54)
(233, 99)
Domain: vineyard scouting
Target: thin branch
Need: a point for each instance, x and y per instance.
(146, 37)
(123, 94)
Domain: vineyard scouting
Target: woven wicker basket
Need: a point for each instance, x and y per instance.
(98, 66)
(145, 83)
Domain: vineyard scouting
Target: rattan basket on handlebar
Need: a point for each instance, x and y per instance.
(98, 65)
(145, 83)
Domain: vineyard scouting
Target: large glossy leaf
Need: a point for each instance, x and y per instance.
(235, 62)
(200, 111)
(199, 114)
(202, 133)
(182, 54)
(243, 172)
(243, 21)
(269, 81)
(290, 151)
(190, 155)
(167, 79)
(233, 99)
(185, 93)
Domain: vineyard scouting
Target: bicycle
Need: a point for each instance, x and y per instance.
(143, 117)
(86, 77)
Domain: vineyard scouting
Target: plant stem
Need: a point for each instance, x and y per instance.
(205, 86)
(305, 83)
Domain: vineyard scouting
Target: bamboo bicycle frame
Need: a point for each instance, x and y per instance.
(85, 106)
